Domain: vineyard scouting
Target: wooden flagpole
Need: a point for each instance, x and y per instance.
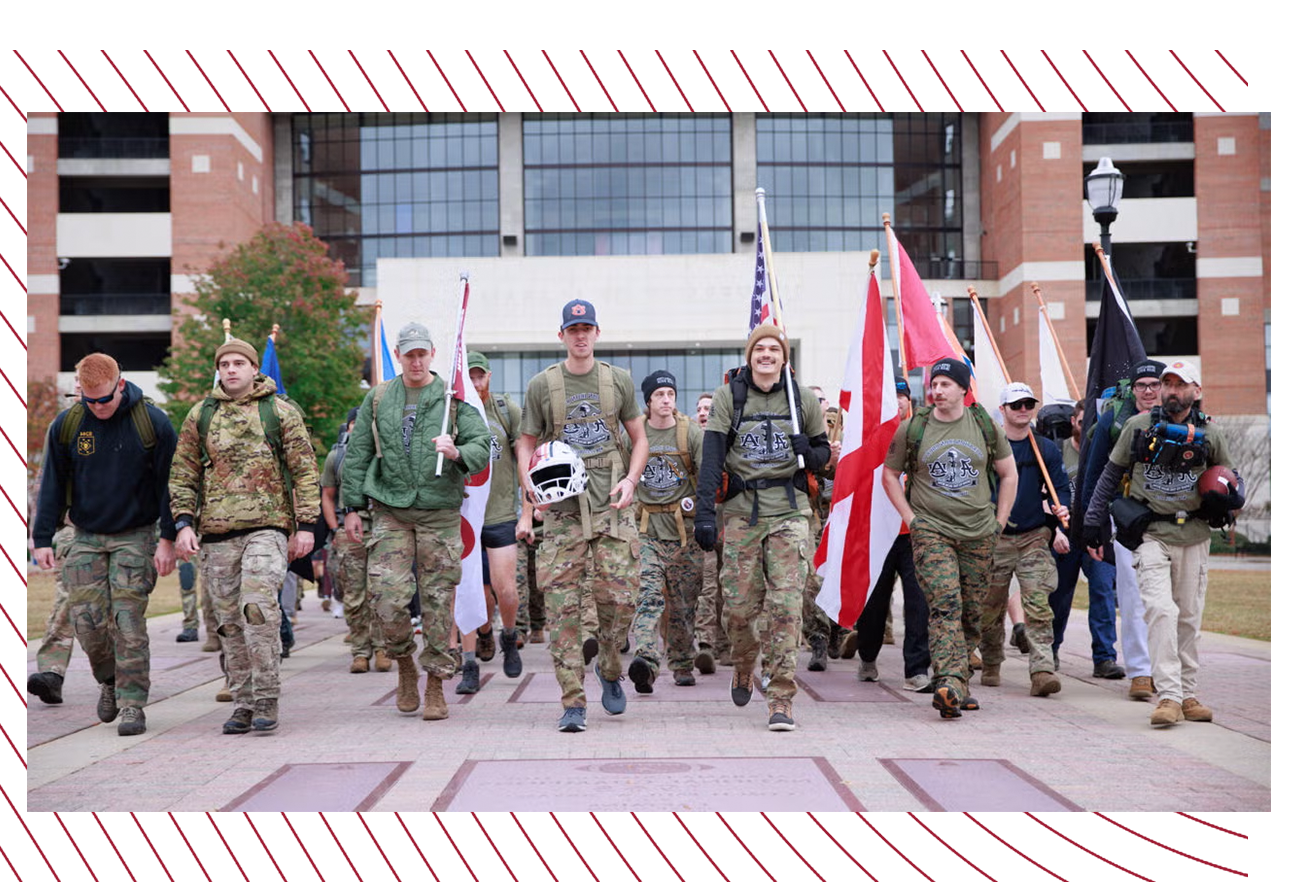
(896, 292)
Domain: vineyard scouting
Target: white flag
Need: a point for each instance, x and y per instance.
(987, 370)
(1054, 388)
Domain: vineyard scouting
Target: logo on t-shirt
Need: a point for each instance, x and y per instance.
(661, 476)
(496, 449)
(587, 430)
(1173, 482)
(952, 471)
(764, 445)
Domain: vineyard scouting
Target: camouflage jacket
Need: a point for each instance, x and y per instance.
(242, 487)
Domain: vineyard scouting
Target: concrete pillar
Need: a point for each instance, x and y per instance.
(509, 133)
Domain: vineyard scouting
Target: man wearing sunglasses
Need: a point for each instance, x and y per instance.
(1023, 547)
(109, 456)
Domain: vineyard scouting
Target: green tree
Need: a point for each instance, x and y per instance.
(284, 276)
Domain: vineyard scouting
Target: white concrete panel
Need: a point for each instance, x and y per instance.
(1228, 267)
(1225, 146)
(114, 235)
(1121, 153)
(111, 324)
(215, 125)
(1150, 308)
(1042, 271)
(1230, 306)
(1148, 220)
(71, 168)
(1010, 124)
(42, 125)
(42, 283)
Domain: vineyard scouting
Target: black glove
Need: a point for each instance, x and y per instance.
(705, 532)
(1095, 535)
(801, 445)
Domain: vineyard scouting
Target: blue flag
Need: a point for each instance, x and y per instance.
(389, 370)
(270, 364)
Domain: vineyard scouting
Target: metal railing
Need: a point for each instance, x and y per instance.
(1138, 132)
(114, 304)
(1148, 289)
(956, 268)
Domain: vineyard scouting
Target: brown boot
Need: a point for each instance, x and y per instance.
(975, 661)
(213, 644)
(1195, 711)
(382, 663)
(434, 700)
(991, 675)
(1044, 683)
(1167, 713)
(360, 665)
(407, 684)
(1142, 688)
(224, 693)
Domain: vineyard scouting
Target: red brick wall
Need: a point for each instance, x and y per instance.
(42, 259)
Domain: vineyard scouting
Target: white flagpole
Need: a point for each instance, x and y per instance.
(457, 360)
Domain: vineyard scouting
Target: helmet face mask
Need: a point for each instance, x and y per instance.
(556, 473)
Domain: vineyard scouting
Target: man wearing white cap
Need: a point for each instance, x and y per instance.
(1166, 519)
(1023, 547)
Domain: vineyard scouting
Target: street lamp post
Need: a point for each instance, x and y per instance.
(1103, 193)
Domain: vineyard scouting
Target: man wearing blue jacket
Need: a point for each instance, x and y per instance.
(1023, 548)
(109, 458)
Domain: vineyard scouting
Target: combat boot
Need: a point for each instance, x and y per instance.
(360, 665)
(107, 707)
(847, 648)
(434, 699)
(486, 645)
(1044, 683)
(240, 722)
(213, 643)
(382, 663)
(469, 680)
(1168, 713)
(704, 661)
(819, 654)
(47, 686)
(1195, 711)
(991, 675)
(265, 714)
(1141, 688)
(513, 662)
(407, 684)
(132, 722)
(223, 694)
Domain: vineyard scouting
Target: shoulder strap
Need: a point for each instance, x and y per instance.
(72, 419)
(379, 391)
(558, 403)
(205, 415)
(267, 409)
(739, 394)
(502, 405)
(143, 424)
(914, 435)
(609, 407)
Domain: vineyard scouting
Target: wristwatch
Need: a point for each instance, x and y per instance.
(184, 521)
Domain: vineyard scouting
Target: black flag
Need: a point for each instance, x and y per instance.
(1115, 348)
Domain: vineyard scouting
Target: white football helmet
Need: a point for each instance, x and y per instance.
(556, 472)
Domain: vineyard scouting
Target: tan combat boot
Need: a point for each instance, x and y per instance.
(1195, 711)
(1167, 713)
(991, 675)
(407, 685)
(360, 665)
(434, 700)
(975, 660)
(382, 663)
(1142, 688)
(1044, 683)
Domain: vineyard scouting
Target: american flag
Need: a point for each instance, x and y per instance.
(759, 311)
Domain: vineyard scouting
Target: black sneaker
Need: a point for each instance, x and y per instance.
(947, 700)
(265, 714)
(704, 661)
(107, 707)
(187, 635)
(47, 686)
(642, 675)
(513, 662)
(1108, 670)
(589, 649)
(1020, 638)
(132, 722)
(469, 680)
(613, 699)
(781, 719)
(741, 688)
(240, 722)
(573, 720)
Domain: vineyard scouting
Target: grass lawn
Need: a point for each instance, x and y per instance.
(40, 597)
(1238, 603)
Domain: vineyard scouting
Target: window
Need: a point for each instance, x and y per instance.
(1151, 180)
(1146, 271)
(115, 286)
(829, 178)
(134, 352)
(118, 194)
(1137, 128)
(626, 184)
(1162, 336)
(114, 135)
(397, 185)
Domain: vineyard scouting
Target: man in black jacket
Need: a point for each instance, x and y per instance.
(110, 455)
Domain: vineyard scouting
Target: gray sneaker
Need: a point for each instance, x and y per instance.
(132, 722)
(867, 671)
(613, 699)
(573, 720)
(107, 707)
(918, 683)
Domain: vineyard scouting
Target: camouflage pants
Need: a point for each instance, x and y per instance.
(208, 605)
(815, 623)
(56, 645)
(188, 596)
(670, 574)
(709, 623)
(953, 575)
(349, 560)
(763, 571)
(109, 578)
(243, 576)
(1026, 555)
(604, 567)
(430, 541)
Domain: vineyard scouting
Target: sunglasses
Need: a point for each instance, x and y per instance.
(107, 398)
(1022, 404)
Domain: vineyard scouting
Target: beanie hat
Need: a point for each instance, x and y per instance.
(657, 380)
(761, 332)
(1147, 368)
(242, 347)
(953, 368)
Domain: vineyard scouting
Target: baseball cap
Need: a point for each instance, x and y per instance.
(414, 336)
(952, 368)
(1147, 368)
(578, 312)
(1186, 370)
(477, 360)
(1016, 392)
(657, 380)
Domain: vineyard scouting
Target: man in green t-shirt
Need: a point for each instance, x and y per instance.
(1164, 452)
(767, 514)
(671, 562)
(947, 504)
(581, 402)
(499, 544)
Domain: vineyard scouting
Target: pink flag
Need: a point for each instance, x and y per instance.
(862, 523)
(923, 340)
(470, 601)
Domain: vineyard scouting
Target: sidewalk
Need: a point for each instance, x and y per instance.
(342, 745)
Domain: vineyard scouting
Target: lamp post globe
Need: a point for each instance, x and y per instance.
(1103, 193)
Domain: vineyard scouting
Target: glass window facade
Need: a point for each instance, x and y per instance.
(626, 184)
(377, 185)
(829, 178)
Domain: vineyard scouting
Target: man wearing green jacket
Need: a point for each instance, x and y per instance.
(390, 467)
